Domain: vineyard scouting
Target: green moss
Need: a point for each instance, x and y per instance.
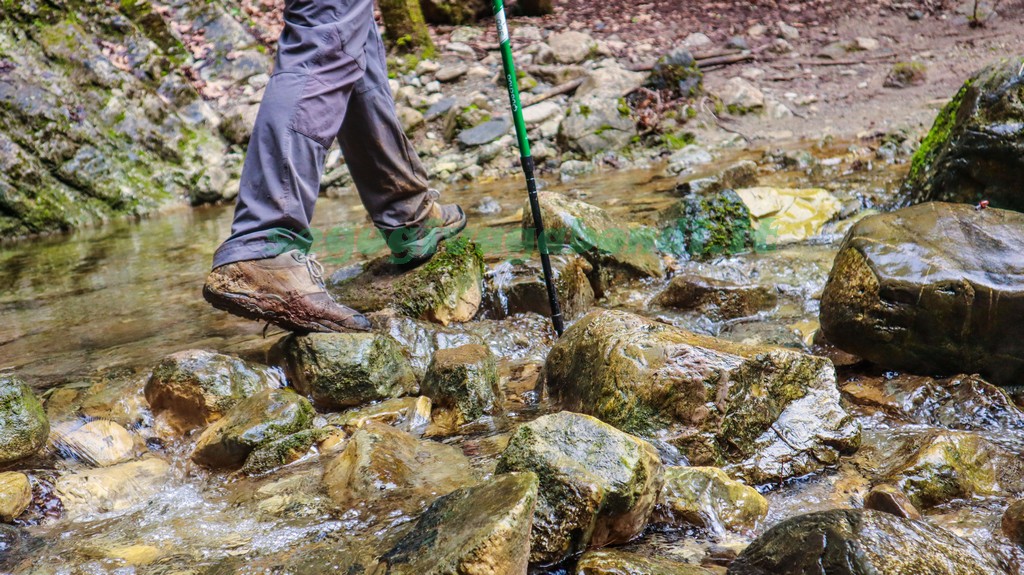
(937, 137)
(678, 141)
(704, 226)
(584, 110)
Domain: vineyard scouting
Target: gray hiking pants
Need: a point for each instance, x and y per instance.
(330, 81)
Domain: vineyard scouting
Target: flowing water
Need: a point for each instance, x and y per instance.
(97, 308)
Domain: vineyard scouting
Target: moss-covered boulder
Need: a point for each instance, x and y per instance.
(447, 289)
(193, 388)
(464, 380)
(617, 251)
(707, 497)
(677, 71)
(454, 11)
(855, 542)
(253, 422)
(615, 562)
(385, 467)
(23, 423)
(420, 339)
(347, 369)
(718, 299)
(598, 485)
(16, 494)
(707, 225)
(933, 289)
(764, 413)
(283, 451)
(482, 529)
(514, 287)
(975, 149)
(410, 414)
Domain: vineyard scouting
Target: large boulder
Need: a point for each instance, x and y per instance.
(195, 387)
(464, 380)
(482, 529)
(23, 423)
(616, 250)
(935, 289)
(347, 369)
(598, 485)
(975, 150)
(765, 413)
(445, 290)
(706, 225)
(253, 422)
(707, 497)
(856, 542)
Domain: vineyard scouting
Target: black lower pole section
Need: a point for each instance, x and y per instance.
(542, 246)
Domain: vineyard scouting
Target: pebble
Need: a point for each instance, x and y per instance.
(449, 73)
(787, 32)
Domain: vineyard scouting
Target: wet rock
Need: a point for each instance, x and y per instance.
(972, 152)
(738, 175)
(767, 413)
(741, 97)
(1013, 522)
(782, 215)
(682, 160)
(716, 298)
(890, 499)
(571, 169)
(195, 387)
(381, 462)
(484, 133)
(706, 497)
(99, 443)
(15, 495)
(347, 369)
(598, 485)
(445, 290)
(482, 529)
(931, 289)
(906, 74)
(23, 423)
(852, 542)
(410, 414)
(615, 562)
(252, 423)
(964, 402)
(676, 70)
(616, 250)
(112, 488)
(944, 466)
(708, 225)
(419, 338)
(596, 124)
(463, 379)
(283, 451)
(571, 47)
(514, 288)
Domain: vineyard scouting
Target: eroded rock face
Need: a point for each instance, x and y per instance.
(193, 388)
(347, 369)
(614, 562)
(975, 150)
(932, 289)
(482, 529)
(763, 413)
(23, 423)
(445, 290)
(854, 542)
(598, 485)
(707, 497)
(465, 380)
(253, 422)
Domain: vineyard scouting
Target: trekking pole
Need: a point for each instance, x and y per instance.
(527, 160)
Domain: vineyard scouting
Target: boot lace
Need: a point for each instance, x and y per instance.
(315, 268)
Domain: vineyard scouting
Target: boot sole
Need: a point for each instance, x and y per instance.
(249, 308)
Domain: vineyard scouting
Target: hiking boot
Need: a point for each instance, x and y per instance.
(414, 245)
(287, 291)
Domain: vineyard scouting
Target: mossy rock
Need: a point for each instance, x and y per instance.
(347, 369)
(677, 71)
(517, 286)
(464, 379)
(708, 498)
(616, 562)
(933, 289)
(598, 485)
(454, 12)
(253, 422)
(447, 289)
(704, 226)
(764, 413)
(283, 451)
(23, 423)
(975, 149)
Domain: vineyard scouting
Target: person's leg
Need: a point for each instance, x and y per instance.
(320, 59)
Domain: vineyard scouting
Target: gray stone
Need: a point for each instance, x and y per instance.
(571, 47)
(484, 133)
(450, 73)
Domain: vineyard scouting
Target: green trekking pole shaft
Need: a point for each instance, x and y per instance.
(527, 161)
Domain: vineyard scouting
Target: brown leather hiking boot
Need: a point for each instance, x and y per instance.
(287, 291)
(414, 245)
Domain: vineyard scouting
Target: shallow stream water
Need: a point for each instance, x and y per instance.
(98, 308)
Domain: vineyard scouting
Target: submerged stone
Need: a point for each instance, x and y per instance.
(282, 451)
(252, 423)
(889, 499)
(785, 215)
(482, 529)
(598, 485)
(99, 443)
(464, 379)
(855, 542)
(112, 488)
(23, 423)
(347, 369)
(193, 388)
(720, 299)
(410, 414)
(934, 289)
(706, 497)
(763, 413)
(615, 562)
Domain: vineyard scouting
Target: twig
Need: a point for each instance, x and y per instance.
(722, 58)
(556, 91)
(835, 62)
